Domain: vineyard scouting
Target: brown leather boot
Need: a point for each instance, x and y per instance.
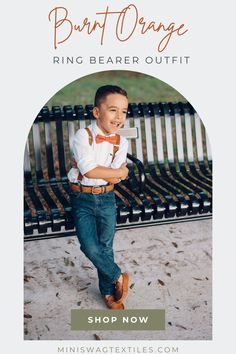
(112, 304)
(121, 289)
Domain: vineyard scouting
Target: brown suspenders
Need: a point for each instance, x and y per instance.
(90, 136)
(115, 146)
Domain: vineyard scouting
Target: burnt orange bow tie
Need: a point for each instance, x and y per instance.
(110, 139)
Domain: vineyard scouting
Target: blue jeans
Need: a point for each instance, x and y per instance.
(95, 221)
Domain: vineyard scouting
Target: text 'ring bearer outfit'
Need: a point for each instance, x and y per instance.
(93, 206)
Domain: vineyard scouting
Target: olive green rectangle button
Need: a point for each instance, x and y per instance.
(112, 320)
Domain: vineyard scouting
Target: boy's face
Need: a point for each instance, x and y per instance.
(111, 113)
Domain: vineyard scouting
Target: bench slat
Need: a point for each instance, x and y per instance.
(168, 134)
(60, 145)
(208, 148)
(159, 137)
(189, 138)
(27, 167)
(199, 144)
(148, 133)
(138, 142)
(179, 138)
(37, 151)
(48, 142)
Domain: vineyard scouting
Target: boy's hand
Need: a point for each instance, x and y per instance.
(124, 171)
(112, 180)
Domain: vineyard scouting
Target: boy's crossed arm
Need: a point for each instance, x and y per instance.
(111, 175)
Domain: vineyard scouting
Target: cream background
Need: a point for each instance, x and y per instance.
(29, 80)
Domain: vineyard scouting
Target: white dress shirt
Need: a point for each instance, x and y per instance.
(89, 157)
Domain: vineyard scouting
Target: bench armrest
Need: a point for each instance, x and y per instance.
(141, 171)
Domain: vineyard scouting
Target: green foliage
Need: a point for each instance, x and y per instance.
(140, 88)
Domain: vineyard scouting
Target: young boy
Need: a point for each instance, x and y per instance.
(100, 154)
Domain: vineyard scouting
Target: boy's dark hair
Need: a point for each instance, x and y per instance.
(104, 91)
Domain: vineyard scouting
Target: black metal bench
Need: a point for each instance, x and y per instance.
(169, 160)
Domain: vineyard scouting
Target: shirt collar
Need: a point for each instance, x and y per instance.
(97, 130)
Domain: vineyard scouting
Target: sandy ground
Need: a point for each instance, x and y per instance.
(170, 267)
